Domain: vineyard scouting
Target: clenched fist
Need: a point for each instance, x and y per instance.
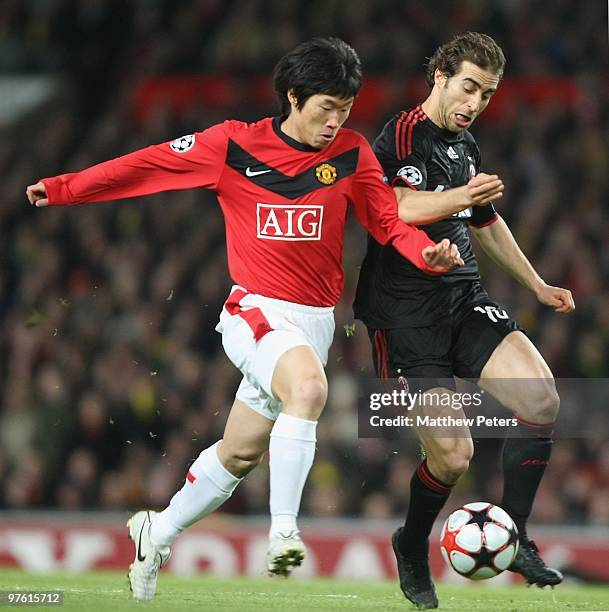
(37, 194)
(484, 188)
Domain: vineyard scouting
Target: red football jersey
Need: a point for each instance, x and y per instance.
(284, 203)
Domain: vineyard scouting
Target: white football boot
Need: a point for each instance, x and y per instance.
(148, 557)
(286, 551)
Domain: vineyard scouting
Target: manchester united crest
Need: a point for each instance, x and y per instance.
(326, 174)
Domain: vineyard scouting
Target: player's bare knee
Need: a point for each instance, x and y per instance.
(456, 464)
(243, 461)
(543, 404)
(453, 462)
(550, 405)
(307, 398)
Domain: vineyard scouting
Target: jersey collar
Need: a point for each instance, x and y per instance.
(445, 135)
(300, 146)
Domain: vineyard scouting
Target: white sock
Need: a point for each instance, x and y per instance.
(208, 485)
(291, 452)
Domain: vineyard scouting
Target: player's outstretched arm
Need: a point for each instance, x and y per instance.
(379, 216)
(500, 245)
(422, 207)
(185, 163)
(375, 206)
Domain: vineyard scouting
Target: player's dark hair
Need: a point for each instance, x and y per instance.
(479, 49)
(319, 66)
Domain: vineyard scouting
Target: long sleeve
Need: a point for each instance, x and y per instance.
(482, 216)
(196, 160)
(376, 209)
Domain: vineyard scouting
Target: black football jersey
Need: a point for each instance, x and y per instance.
(416, 153)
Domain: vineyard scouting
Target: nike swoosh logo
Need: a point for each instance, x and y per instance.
(139, 545)
(250, 173)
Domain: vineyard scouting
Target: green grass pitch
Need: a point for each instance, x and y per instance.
(101, 590)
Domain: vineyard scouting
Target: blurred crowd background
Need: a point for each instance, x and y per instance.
(112, 378)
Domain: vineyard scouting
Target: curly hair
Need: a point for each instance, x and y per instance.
(479, 49)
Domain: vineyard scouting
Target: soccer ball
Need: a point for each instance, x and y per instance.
(479, 540)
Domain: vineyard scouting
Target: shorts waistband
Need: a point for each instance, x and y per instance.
(283, 304)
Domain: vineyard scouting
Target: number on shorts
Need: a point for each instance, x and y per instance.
(492, 312)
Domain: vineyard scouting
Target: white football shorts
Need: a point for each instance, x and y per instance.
(257, 330)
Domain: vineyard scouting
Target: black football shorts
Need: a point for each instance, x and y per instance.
(458, 344)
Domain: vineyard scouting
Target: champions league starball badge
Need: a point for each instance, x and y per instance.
(183, 144)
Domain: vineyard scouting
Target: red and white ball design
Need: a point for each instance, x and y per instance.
(479, 540)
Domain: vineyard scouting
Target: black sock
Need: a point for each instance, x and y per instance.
(427, 497)
(526, 453)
